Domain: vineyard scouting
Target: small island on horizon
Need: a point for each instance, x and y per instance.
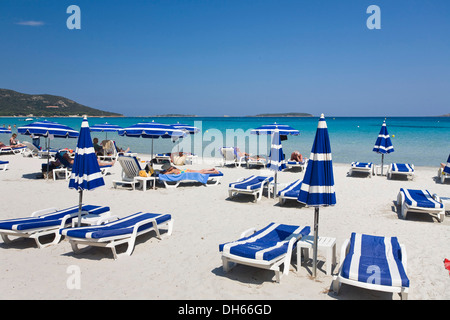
(288, 114)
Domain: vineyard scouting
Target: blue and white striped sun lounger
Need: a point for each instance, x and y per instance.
(290, 192)
(3, 165)
(252, 185)
(44, 222)
(12, 149)
(267, 248)
(365, 167)
(419, 200)
(373, 262)
(405, 169)
(290, 164)
(114, 233)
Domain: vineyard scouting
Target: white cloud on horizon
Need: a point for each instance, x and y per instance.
(31, 23)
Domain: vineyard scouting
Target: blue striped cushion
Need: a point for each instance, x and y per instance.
(116, 228)
(4, 162)
(250, 183)
(265, 244)
(362, 164)
(292, 190)
(48, 220)
(375, 260)
(420, 198)
(402, 167)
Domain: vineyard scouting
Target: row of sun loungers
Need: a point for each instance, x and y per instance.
(271, 247)
(404, 169)
(372, 262)
(367, 261)
(114, 232)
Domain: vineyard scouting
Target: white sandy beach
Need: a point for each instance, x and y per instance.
(187, 265)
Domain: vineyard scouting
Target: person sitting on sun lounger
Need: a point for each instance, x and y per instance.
(169, 169)
(14, 142)
(296, 156)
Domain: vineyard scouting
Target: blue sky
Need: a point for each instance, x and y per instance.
(233, 57)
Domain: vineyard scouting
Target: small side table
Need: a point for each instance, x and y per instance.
(327, 243)
(144, 180)
(90, 219)
(271, 188)
(378, 169)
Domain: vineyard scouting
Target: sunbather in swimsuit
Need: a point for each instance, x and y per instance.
(168, 169)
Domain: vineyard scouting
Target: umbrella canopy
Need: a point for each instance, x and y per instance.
(46, 128)
(105, 127)
(317, 188)
(383, 144)
(284, 129)
(152, 130)
(189, 129)
(86, 174)
(447, 166)
(276, 157)
(4, 130)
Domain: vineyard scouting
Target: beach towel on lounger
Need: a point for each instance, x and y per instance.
(192, 176)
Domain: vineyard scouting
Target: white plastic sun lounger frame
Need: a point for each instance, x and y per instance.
(301, 165)
(403, 208)
(257, 162)
(257, 193)
(112, 242)
(370, 170)
(338, 280)
(229, 260)
(409, 174)
(229, 157)
(41, 231)
(4, 165)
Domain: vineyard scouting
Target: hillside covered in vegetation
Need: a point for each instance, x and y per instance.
(14, 103)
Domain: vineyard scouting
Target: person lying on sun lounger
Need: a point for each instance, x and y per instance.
(169, 169)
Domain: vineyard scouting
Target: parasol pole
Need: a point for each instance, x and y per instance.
(316, 238)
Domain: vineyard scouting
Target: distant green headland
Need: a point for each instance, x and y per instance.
(14, 103)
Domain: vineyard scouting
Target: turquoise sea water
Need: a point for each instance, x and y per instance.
(421, 141)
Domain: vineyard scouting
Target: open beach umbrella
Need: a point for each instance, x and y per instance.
(383, 144)
(48, 129)
(105, 127)
(86, 174)
(276, 157)
(447, 166)
(152, 130)
(187, 128)
(283, 129)
(317, 188)
(4, 130)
